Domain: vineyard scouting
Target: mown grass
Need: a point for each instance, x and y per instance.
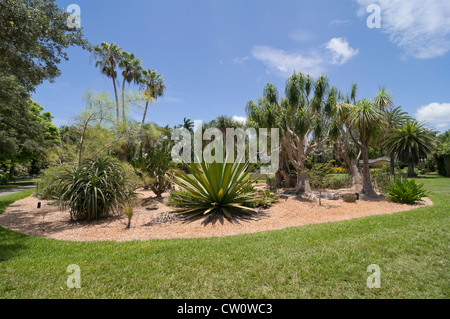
(315, 261)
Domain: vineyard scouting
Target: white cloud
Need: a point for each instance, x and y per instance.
(240, 60)
(301, 36)
(340, 50)
(420, 27)
(239, 119)
(284, 63)
(436, 114)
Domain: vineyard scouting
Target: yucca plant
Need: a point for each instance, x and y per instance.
(215, 188)
(95, 189)
(405, 191)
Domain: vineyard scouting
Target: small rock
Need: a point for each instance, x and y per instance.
(152, 207)
(330, 196)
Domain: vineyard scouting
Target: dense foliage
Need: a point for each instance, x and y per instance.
(215, 188)
(95, 189)
(405, 191)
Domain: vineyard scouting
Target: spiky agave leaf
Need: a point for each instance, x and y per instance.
(215, 188)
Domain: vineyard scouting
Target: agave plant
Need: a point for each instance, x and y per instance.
(215, 188)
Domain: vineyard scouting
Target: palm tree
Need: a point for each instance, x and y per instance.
(365, 119)
(383, 100)
(153, 85)
(410, 143)
(109, 56)
(394, 118)
(131, 73)
(188, 124)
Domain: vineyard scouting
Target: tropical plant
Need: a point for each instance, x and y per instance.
(411, 143)
(108, 58)
(95, 189)
(405, 191)
(132, 68)
(365, 122)
(215, 189)
(152, 166)
(153, 85)
(394, 117)
(301, 116)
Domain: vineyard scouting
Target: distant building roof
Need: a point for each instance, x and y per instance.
(376, 160)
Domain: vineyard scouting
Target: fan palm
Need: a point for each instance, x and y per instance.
(153, 85)
(131, 73)
(410, 143)
(108, 56)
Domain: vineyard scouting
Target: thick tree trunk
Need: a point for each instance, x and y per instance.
(411, 173)
(367, 183)
(303, 185)
(356, 175)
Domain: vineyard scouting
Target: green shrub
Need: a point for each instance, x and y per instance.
(152, 166)
(266, 200)
(95, 189)
(214, 188)
(339, 181)
(405, 191)
(349, 198)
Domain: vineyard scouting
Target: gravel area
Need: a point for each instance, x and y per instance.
(49, 221)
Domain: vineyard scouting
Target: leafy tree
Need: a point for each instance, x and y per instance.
(302, 117)
(340, 137)
(411, 143)
(319, 177)
(33, 38)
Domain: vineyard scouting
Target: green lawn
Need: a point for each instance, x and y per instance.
(315, 261)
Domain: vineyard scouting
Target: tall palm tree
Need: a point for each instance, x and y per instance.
(411, 142)
(132, 69)
(383, 100)
(153, 85)
(394, 117)
(365, 120)
(108, 57)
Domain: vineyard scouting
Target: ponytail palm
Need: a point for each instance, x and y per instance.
(214, 188)
(410, 143)
(365, 120)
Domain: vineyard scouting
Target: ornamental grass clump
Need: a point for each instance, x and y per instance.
(405, 191)
(215, 189)
(95, 189)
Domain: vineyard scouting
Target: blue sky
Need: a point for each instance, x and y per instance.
(215, 55)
